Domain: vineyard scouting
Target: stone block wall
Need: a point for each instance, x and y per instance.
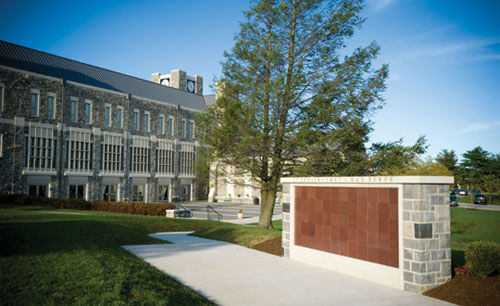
(424, 224)
(15, 119)
(426, 236)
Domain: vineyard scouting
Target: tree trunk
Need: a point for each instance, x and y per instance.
(268, 197)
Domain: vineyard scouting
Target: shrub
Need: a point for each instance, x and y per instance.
(482, 258)
(134, 208)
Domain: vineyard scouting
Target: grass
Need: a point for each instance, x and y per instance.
(50, 256)
(469, 225)
(493, 198)
(277, 224)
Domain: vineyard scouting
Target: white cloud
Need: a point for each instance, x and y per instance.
(478, 126)
(380, 4)
(454, 48)
(423, 35)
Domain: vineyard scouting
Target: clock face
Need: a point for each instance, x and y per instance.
(190, 86)
(165, 82)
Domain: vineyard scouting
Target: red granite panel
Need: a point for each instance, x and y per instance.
(357, 222)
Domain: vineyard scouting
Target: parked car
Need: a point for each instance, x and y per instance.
(476, 191)
(480, 199)
(462, 192)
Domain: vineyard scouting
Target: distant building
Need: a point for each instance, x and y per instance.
(73, 130)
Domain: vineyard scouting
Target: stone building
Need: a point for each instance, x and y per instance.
(73, 130)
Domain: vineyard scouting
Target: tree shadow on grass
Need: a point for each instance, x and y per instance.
(457, 258)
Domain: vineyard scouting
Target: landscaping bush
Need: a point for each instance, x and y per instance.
(133, 208)
(482, 258)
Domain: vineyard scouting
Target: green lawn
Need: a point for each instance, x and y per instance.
(277, 224)
(52, 256)
(469, 225)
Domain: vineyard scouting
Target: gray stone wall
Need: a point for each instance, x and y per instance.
(426, 234)
(17, 109)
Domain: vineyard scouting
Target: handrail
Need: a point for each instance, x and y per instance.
(179, 206)
(219, 215)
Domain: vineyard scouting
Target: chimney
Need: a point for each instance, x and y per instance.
(155, 77)
(178, 79)
(198, 85)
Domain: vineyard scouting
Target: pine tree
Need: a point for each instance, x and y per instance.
(289, 96)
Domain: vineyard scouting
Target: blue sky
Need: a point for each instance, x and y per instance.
(444, 55)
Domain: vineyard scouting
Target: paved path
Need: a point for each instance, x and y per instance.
(480, 207)
(228, 210)
(233, 275)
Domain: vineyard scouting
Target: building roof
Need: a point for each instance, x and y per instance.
(209, 99)
(24, 58)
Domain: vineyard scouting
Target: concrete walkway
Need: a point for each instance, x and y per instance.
(229, 274)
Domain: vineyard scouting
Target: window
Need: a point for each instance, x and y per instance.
(136, 119)
(110, 192)
(165, 157)
(51, 105)
(183, 128)
(187, 157)
(139, 157)
(1, 145)
(107, 114)
(161, 126)
(138, 193)
(88, 111)
(76, 191)
(119, 117)
(40, 146)
(170, 126)
(38, 190)
(112, 152)
(79, 152)
(163, 192)
(190, 129)
(74, 109)
(35, 102)
(2, 94)
(146, 122)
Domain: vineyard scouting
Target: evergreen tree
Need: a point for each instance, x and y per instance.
(287, 94)
(448, 159)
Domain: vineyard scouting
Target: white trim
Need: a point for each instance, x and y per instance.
(73, 100)
(104, 133)
(54, 106)
(138, 123)
(148, 127)
(370, 180)
(172, 132)
(30, 73)
(97, 88)
(88, 102)
(40, 125)
(108, 106)
(37, 93)
(75, 173)
(378, 273)
(1, 145)
(162, 126)
(144, 175)
(183, 131)
(2, 96)
(38, 172)
(111, 174)
(119, 108)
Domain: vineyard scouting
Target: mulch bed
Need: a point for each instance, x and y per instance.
(461, 290)
(272, 246)
(469, 290)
